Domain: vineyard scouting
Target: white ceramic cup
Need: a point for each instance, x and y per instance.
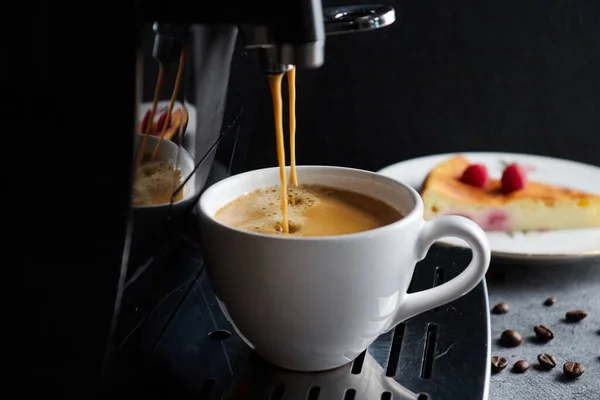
(315, 303)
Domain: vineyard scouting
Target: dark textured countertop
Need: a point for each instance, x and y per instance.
(524, 289)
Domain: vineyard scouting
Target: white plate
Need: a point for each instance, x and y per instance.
(552, 245)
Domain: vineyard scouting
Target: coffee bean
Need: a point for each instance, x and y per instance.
(510, 338)
(520, 366)
(498, 363)
(500, 308)
(549, 301)
(543, 333)
(573, 369)
(575, 315)
(548, 361)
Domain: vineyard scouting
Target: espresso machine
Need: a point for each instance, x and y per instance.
(120, 301)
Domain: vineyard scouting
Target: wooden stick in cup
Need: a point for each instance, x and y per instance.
(182, 59)
(157, 89)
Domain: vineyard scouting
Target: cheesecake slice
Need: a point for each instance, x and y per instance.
(535, 207)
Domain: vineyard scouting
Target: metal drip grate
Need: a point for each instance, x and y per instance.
(188, 350)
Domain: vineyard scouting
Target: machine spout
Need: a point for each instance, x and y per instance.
(277, 57)
(284, 36)
(169, 40)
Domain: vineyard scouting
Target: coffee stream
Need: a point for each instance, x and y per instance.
(157, 90)
(275, 85)
(178, 78)
(292, 99)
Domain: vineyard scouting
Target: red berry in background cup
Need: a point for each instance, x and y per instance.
(513, 178)
(145, 121)
(161, 122)
(475, 175)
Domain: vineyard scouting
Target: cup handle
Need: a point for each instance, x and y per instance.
(448, 225)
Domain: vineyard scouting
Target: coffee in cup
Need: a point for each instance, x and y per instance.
(155, 182)
(313, 210)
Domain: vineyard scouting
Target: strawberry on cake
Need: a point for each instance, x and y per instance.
(512, 203)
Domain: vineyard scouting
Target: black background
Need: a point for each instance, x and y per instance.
(515, 76)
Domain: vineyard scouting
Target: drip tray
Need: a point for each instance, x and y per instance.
(180, 346)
